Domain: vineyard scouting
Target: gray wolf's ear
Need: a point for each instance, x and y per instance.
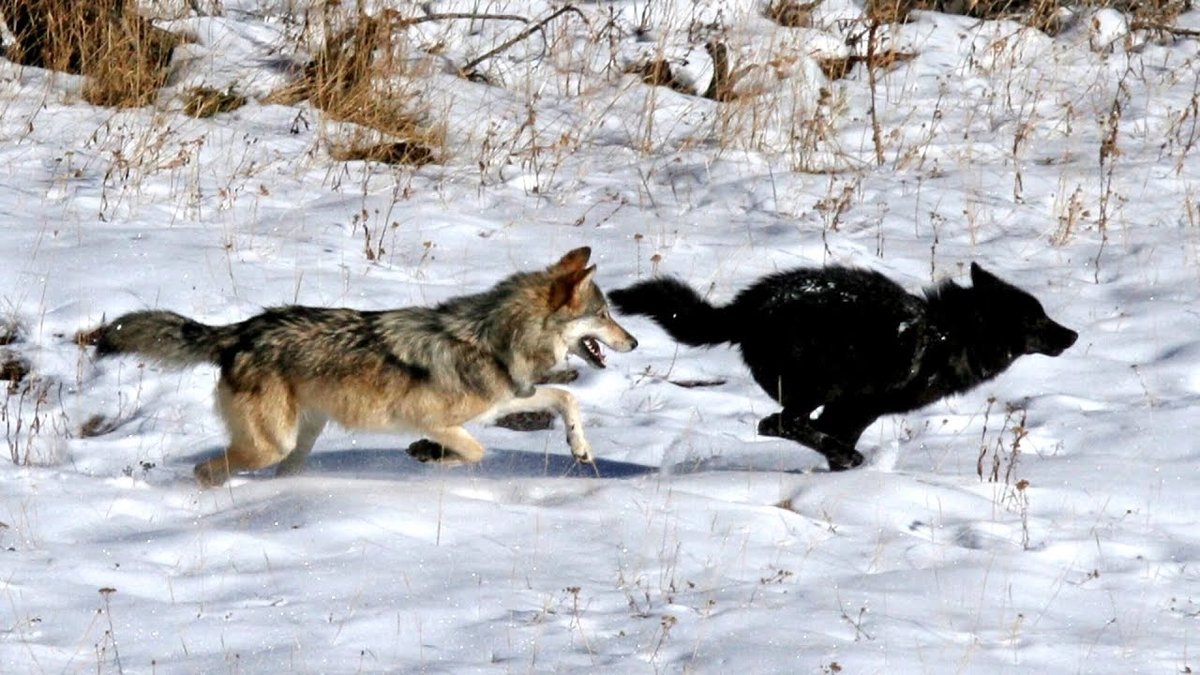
(569, 289)
(573, 261)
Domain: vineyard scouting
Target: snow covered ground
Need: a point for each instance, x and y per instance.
(1045, 522)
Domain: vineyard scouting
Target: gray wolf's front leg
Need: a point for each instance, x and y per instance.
(560, 401)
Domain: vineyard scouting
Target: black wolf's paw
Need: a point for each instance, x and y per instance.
(426, 450)
(771, 425)
(845, 460)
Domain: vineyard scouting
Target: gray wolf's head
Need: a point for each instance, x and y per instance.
(580, 311)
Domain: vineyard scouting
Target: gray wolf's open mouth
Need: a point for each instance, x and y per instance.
(589, 349)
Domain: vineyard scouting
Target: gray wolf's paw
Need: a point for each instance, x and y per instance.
(582, 452)
(212, 473)
(426, 450)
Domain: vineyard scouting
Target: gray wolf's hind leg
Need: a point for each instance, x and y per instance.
(311, 426)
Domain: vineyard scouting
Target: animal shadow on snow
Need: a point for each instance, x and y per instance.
(391, 463)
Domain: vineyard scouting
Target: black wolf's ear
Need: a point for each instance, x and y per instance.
(568, 289)
(984, 278)
(573, 261)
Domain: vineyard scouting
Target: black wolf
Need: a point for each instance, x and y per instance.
(855, 344)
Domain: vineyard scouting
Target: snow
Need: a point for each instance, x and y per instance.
(693, 545)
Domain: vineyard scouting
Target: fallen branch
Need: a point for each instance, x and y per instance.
(1158, 27)
(470, 66)
(405, 22)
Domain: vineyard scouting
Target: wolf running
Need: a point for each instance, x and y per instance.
(854, 344)
(289, 370)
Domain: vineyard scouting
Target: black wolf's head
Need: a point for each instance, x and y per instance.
(1016, 319)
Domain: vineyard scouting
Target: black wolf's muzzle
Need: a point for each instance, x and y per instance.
(1051, 339)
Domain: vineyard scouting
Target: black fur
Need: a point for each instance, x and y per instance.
(856, 343)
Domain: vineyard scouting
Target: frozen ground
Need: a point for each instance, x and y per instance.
(1045, 522)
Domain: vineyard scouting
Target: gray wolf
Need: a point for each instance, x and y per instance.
(287, 371)
(855, 344)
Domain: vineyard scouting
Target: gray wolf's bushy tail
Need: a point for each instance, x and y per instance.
(170, 338)
(680, 310)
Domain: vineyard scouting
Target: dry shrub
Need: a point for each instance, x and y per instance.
(396, 152)
(1044, 15)
(361, 76)
(123, 55)
(13, 369)
(892, 11)
(837, 67)
(537, 421)
(98, 425)
(206, 101)
(10, 332)
(658, 73)
(791, 13)
(526, 421)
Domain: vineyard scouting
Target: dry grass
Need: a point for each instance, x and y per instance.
(123, 56)
(13, 369)
(206, 101)
(362, 75)
(10, 332)
(658, 73)
(394, 152)
(1045, 15)
(838, 67)
(791, 13)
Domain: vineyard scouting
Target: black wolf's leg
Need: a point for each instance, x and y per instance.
(846, 421)
(794, 425)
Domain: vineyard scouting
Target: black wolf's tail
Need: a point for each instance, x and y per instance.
(679, 309)
(168, 337)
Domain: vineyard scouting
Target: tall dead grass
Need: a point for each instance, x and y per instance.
(363, 74)
(1042, 14)
(123, 55)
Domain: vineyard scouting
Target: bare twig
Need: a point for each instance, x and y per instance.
(405, 22)
(522, 35)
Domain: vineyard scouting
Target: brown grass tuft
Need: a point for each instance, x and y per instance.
(892, 11)
(123, 55)
(362, 76)
(791, 13)
(206, 101)
(658, 73)
(1044, 15)
(397, 152)
(14, 369)
(9, 333)
(837, 67)
(345, 79)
